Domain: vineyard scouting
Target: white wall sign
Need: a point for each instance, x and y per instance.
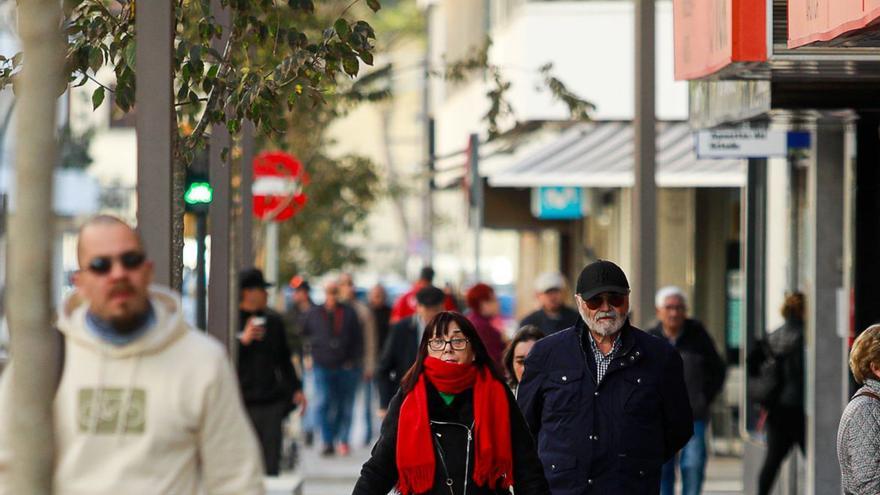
(741, 143)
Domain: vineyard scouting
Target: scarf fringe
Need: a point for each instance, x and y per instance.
(419, 479)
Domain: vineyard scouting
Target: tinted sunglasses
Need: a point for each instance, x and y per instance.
(129, 260)
(612, 298)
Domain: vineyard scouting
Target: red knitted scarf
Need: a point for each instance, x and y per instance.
(493, 466)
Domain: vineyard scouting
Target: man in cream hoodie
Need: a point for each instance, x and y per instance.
(146, 404)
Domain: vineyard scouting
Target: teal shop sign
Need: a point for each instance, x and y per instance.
(557, 203)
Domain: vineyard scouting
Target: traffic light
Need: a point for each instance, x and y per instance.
(198, 193)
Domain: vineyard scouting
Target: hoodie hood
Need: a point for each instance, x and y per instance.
(169, 325)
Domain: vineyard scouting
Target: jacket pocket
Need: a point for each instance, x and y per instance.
(560, 471)
(563, 390)
(642, 398)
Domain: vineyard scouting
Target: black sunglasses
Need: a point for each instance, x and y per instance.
(129, 260)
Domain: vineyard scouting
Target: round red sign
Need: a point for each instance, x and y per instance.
(279, 179)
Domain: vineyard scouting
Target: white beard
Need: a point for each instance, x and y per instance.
(603, 327)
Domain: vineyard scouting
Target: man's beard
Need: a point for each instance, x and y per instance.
(601, 326)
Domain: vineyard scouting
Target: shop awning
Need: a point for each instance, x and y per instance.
(601, 155)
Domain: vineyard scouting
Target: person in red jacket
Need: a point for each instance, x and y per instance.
(405, 306)
(484, 307)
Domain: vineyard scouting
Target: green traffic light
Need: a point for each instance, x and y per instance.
(199, 193)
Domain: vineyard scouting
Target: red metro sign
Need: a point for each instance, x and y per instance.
(279, 179)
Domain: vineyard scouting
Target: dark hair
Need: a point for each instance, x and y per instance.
(793, 307)
(427, 274)
(524, 334)
(438, 326)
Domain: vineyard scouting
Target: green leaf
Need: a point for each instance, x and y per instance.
(374, 4)
(350, 64)
(342, 28)
(98, 97)
(130, 54)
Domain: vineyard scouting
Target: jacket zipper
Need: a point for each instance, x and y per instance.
(467, 457)
(443, 462)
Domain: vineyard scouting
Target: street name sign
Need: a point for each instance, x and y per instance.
(741, 143)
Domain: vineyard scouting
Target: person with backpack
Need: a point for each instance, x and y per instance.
(776, 371)
(858, 438)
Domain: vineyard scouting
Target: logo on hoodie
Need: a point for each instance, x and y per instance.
(111, 411)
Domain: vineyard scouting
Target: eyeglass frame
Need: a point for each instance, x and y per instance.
(604, 297)
(133, 264)
(443, 348)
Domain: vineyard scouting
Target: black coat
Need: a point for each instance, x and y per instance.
(453, 451)
(568, 317)
(398, 355)
(265, 372)
(335, 338)
(611, 438)
(704, 370)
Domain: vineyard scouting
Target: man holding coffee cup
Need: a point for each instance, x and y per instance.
(269, 384)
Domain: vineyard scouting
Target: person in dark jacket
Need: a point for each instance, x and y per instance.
(786, 423)
(514, 358)
(402, 344)
(704, 373)
(606, 402)
(553, 315)
(336, 341)
(269, 384)
(454, 428)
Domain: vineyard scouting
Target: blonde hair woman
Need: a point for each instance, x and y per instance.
(858, 438)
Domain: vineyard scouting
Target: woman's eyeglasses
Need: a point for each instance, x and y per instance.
(458, 344)
(613, 299)
(129, 260)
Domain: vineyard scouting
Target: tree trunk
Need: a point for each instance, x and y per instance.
(34, 347)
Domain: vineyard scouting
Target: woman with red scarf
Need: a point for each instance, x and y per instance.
(454, 427)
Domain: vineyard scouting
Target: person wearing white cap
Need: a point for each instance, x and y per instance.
(553, 315)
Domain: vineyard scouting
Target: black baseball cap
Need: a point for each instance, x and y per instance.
(601, 276)
(430, 296)
(252, 278)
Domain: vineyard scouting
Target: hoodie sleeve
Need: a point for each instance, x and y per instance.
(230, 456)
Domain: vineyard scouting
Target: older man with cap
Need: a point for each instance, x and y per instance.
(269, 383)
(605, 401)
(553, 315)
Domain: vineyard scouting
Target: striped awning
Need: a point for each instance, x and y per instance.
(600, 154)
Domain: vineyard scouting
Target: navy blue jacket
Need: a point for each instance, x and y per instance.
(611, 438)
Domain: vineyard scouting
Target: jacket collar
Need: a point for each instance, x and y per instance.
(627, 339)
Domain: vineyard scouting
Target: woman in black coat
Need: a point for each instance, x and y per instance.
(454, 427)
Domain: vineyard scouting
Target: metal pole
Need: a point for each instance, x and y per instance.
(644, 194)
(219, 322)
(201, 287)
(155, 122)
(476, 200)
(247, 197)
(427, 116)
(272, 258)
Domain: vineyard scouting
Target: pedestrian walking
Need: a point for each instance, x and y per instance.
(858, 438)
(606, 402)
(514, 357)
(483, 310)
(553, 315)
(704, 373)
(269, 384)
(336, 341)
(302, 303)
(781, 357)
(146, 403)
(454, 427)
(405, 306)
(348, 296)
(400, 350)
(378, 301)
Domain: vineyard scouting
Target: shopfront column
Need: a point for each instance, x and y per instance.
(825, 365)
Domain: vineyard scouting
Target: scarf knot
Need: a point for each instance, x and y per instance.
(493, 459)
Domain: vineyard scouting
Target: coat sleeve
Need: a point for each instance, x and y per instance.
(371, 337)
(379, 474)
(229, 456)
(529, 395)
(5, 425)
(283, 363)
(387, 362)
(528, 473)
(678, 418)
(716, 370)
